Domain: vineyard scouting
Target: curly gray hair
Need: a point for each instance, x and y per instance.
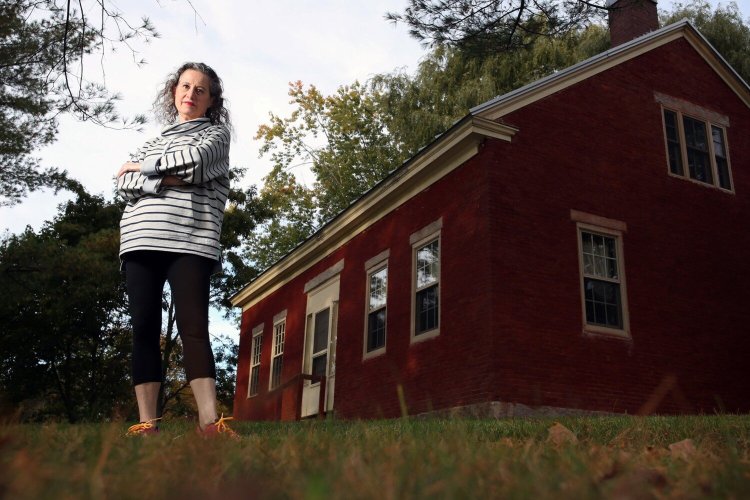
(165, 110)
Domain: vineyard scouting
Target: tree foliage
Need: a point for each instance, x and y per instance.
(294, 217)
(484, 26)
(43, 44)
(343, 139)
(354, 137)
(64, 343)
(242, 216)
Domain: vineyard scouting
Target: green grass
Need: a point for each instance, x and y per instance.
(609, 457)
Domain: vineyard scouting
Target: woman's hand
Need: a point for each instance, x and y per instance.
(129, 167)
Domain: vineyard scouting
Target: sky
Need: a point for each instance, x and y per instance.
(257, 48)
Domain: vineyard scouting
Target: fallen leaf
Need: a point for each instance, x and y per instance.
(684, 449)
(638, 484)
(560, 435)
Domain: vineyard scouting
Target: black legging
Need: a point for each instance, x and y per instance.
(188, 276)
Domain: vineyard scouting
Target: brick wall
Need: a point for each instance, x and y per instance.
(598, 147)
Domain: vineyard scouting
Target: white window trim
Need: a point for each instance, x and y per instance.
(614, 229)
(372, 266)
(710, 119)
(418, 239)
(279, 319)
(256, 332)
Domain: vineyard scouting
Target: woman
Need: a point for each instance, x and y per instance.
(176, 188)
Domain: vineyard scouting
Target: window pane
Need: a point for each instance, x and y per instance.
(599, 256)
(587, 244)
(612, 269)
(613, 316)
(600, 268)
(254, 380)
(257, 340)
(320, 340)
(378, 288)
(588, 264)
(427, 310)
(720, 155)
(319, 365)
(278, 341)
(276, 371)
(673, 142)
(609, 245)
(697, 150)
(588, 288)
(427, 264)
(603, 303)
(376, 330)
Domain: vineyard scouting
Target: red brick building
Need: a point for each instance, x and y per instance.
(579, 243)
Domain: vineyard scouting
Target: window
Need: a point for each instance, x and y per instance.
(320, 324)
(428, 272)
(426, 284)
(277, 353)
(697, 149)
(602, 276)
(377, 292)
(255, 350)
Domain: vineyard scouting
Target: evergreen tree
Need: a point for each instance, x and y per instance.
(483, 26)
(43, 44)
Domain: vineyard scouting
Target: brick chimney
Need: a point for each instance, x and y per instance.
(629, 19)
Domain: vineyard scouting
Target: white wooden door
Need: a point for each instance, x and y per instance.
(320, 345)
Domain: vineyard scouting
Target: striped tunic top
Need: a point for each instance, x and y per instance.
(184, 219)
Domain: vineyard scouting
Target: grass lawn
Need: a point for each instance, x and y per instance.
(605, 457)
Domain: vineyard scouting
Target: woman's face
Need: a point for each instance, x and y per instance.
(192, 97)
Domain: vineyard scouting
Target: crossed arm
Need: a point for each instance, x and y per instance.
(167, 180)
(195, 164)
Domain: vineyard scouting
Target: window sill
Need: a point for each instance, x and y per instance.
(700, 183)
(593, 331)
(430, 334)
(374, 354)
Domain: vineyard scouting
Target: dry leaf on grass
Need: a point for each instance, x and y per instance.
(638, 484)
(684, 449)
(560, 435)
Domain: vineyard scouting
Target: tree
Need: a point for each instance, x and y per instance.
(243, 214)
(43, 44)
(343, 139)
(490, 25)
(65, 341)
(295, 216)
(353, 138)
